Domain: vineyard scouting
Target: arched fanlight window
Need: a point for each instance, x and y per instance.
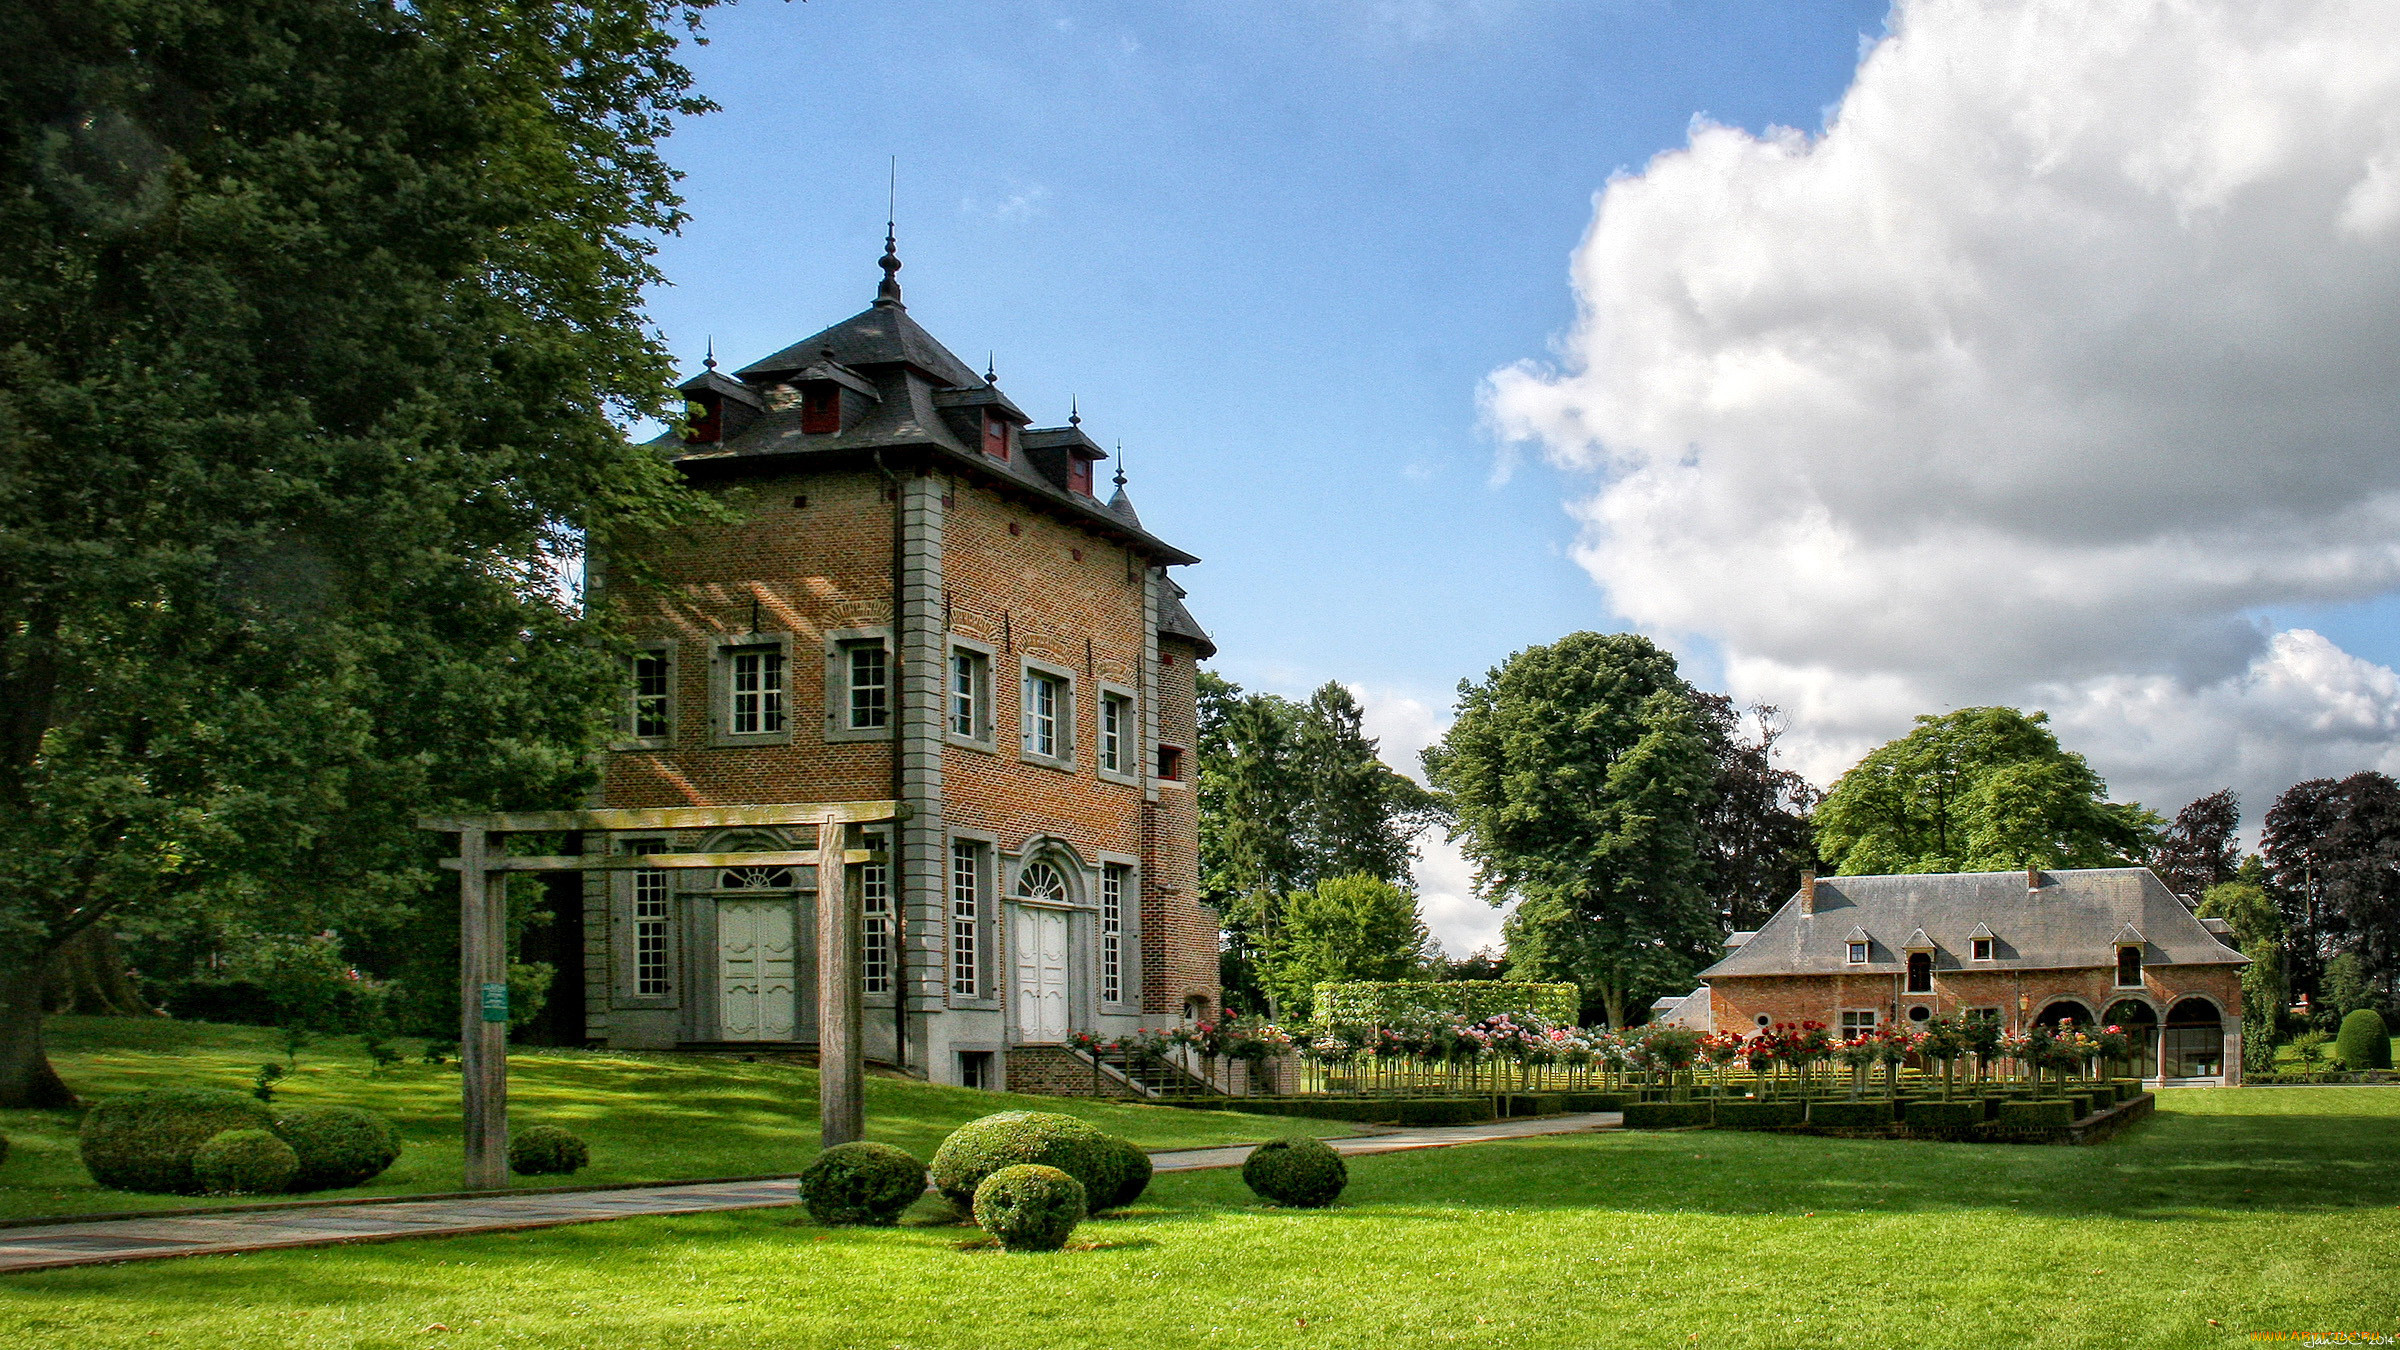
(755, 879)
(1041, 881)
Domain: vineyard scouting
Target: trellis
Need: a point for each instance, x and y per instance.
(483, 942)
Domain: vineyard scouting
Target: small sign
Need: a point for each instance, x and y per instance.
(495, 1003)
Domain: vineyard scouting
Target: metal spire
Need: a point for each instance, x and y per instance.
(989, 367)
(1120, 478)
(1074, 411)
(889, 291)
(710, 362)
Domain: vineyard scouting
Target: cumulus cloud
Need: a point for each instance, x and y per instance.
(2073, 341)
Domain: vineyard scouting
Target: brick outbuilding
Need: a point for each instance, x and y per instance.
(2090, 946)
(917, 595)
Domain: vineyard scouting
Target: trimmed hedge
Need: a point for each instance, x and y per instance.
(1533, 1103)
(1300, 1172)
(1367, 1110)
(338, 1145)
(1666, 1115)
(2043, 1115)
(245, 1162)
(3, 1148)
(547, 1150)
(861, 1183)
(1384, 1003)
(1028, 1207)
(1134, 1171)
(1755, 1115)
(979, 1148)
(1852, 1115)
(1944, 1116)
(2364, 1042)
(1595, 1101)
(144, 1141)
(2080, 1104)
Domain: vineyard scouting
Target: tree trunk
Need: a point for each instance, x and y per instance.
(1612, 998)
(26, 1078)
(89, 975)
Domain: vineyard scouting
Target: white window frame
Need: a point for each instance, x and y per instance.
(839, 713)
(1859, 952)
(1845, 1022)
(1908, 972)
(1061, 717)
(725, 701)
(970, 863)
(979, 693)
(2117, 973)
(1981, 949)
(630, 735)
(1115, 879)
(648, 975)
(1124, 766)
(875, 919)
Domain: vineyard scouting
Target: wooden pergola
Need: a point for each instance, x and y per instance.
(483, 942)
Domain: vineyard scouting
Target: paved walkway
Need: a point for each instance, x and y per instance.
(98, 1241)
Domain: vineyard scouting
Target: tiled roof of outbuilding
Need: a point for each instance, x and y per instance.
(2070, 922)
(1176, 621)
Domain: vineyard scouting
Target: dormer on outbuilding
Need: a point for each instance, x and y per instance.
(1064, 455)
(983, 417)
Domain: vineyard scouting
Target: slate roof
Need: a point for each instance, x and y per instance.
(2071, 922)
(1176, 621)
(914, 379)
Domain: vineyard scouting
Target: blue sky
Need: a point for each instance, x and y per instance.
(1274, 248)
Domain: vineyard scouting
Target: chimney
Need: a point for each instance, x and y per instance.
(2033, 878)
(1808, 891)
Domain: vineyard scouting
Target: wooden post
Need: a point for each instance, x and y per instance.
(841, 1063)
(482, 1043)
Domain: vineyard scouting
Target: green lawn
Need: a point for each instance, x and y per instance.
(648, 1117)
(2229, 1212)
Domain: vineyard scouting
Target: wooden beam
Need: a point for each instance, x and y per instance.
(482, 1043)
(641, 862)
(841, 1064)
(669, 818)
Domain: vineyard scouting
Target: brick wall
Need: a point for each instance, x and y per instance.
(1053, 1071)
(1736, 1002)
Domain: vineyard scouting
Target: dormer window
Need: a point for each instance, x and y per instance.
(2129, 967)
(820, 408)
(1980, 949)
(1920, 972)
(1858, 953)
(995, 435)
(1079, 475)
(704, 420)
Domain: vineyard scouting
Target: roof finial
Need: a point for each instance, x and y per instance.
(710, 362)
(889, 291)
(989, 367)
(1120, 478)
(1074, 411)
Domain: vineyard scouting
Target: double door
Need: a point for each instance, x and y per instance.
(1038, 941)
(758, 986)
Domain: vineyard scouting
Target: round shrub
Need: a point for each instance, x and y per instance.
(1302, 1173)
(546, 1150)
(144, 1141)
(979, 1148)
(861, 1183)
(338, 1145)
(2365, 1042)
(245, 1162)
(1027, 1207)
(1133, 1174)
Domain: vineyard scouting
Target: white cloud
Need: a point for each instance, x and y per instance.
(1403, 726)
(2073, 340)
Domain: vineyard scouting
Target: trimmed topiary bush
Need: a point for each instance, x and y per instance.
(144, 1141)
(1027, 1207)
(2079, 1104)
(1666, 1115)
(338, 1145)
(2365, 1042)
(1944, 1116)
(1302, 1173)
(245, 1162)
(861, 1183)
(1852, 1115)
(1134, 1170)
(979, 1148)
(547, 1150)
(1533, 1104)
(2042, 1115)
(1741, 1115)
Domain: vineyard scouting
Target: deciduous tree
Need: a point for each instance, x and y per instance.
(319, 322)
(2202, 848)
